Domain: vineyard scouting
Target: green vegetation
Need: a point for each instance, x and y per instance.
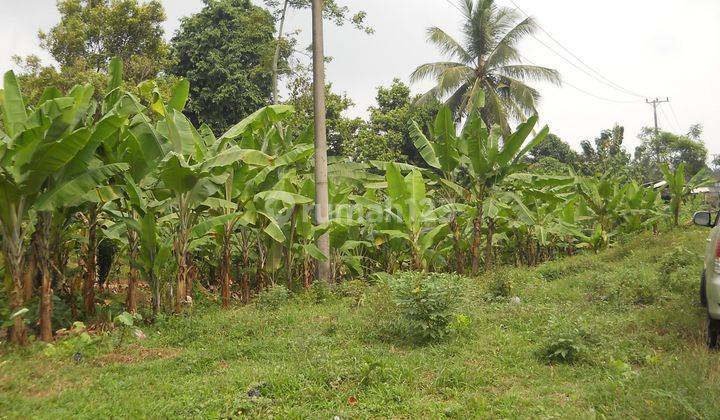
(162, 253)
(624, 356)
(486, 59)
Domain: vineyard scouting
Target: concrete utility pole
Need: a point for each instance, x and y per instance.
(321, 170)
(655, 102)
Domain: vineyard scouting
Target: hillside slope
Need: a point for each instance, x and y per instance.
(629, 318)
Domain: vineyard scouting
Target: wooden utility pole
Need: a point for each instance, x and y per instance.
(655, 102)
(321, 171)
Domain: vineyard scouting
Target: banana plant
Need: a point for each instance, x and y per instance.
(486, 159)
(681, 188)
(642, 208)
(44, 161)
(412, 218)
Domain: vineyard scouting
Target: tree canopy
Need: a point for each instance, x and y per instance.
(488, 59)
(225, 52)
(91, 32)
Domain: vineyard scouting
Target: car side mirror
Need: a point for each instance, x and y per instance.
(703, 218)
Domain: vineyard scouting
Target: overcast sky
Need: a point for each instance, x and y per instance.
(657, 48)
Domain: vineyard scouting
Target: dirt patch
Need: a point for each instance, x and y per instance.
(136, 354)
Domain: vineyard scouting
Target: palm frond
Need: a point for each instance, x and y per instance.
(535, 73)
(505, 49)
(448, 45)
(434, 70)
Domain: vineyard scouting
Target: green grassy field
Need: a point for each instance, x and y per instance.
(630, 312)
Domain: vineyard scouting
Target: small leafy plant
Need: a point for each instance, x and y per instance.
(568, 348)
(426, 302)
(273, 298)
(126, 322)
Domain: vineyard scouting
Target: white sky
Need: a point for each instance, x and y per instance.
(652, 47)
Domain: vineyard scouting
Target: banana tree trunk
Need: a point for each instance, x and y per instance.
(43, 227)
(13, 256)
(225, 275)
(489, 244)
(676, 213)
(30, 268)
(131, 299)
(475, 246)
(459, 260)
(90, 260)
(291, 240)
(245, 266)
(155, 284)
(181, 251)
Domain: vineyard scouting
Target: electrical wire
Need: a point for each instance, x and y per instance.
(585, 91)
(579, 89)
(665, 118)
(600, 78)
(672, 110)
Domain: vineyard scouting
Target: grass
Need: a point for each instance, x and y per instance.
(638, 333)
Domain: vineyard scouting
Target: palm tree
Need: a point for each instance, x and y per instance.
(488, 60)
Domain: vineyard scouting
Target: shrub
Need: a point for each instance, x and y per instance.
(426, 302)
(273, 298)
(571, 347)
(501, 283)
(353, 289)
(320, 292)
(675, 260)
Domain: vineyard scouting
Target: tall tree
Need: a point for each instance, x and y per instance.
(225, 51)
(91, 32)
(606, 153)
(339, 127)
(487, 59)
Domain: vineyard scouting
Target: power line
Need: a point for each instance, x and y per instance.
(672, 110)
(601, 78)
(564, 82)
(667, 120)
(585, 91)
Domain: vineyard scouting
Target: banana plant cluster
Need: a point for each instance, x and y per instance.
(194, 213)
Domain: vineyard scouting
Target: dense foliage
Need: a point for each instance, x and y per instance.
(134, 171)
(225, 52)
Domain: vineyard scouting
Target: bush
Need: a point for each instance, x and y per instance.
(353, 289)
(426, 302)
(569, 348)
(273, 298)
(320, 292)
(673, 261)
(501, 284)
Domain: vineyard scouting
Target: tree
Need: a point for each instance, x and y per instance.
(554, 147)
(606, 154)
(331, 11)
(670, 148)
(488, 161)
(339, 128)
(91, 32)
(46, 155)
(488, 59)
(386, 135)
(225, 51)
(680, 187)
